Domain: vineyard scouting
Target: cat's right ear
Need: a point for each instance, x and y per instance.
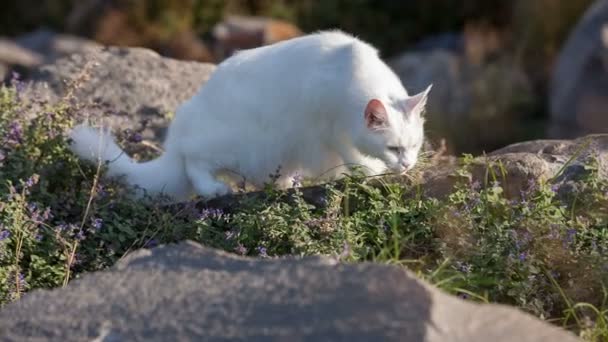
(376, 116)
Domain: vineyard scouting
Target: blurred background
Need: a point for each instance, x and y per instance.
(503, 70)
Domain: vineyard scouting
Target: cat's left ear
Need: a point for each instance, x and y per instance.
(415, 104)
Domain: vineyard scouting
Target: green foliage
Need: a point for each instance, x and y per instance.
(543, 250)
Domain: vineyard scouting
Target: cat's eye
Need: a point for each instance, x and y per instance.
(394, 149)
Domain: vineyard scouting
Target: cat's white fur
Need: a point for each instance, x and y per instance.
(314, 105)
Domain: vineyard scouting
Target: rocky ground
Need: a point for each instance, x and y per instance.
(185, 291)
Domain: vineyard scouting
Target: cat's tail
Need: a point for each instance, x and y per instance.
(164, 175)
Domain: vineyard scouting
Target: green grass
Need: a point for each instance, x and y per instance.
(541, 251)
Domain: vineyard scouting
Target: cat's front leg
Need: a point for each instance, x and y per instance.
(204, 182)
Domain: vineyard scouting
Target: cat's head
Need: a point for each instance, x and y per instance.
(394, 133)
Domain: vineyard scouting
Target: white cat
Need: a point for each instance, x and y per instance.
(315, 105)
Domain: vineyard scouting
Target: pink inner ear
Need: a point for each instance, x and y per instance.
(375, 114)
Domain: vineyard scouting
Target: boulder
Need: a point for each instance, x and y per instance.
(124, 87)
(51, 45)
(579, 86)
(186, 292)
(11, 55)
(527, 163)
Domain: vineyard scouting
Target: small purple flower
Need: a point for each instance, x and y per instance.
(296, 180)
(131, 136)
(32, 180)
(555, 188)
(79, 235)
(569, 238)
(97, 223)
(62, 227)
(38, 237)
(21, 283)
(17, 83)
(15, 134)
(4, 234)
(262, 251)
(523, 256)
(210, 213)
(240, 249)
(46, 214)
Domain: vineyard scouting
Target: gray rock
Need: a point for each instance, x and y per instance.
(579, 86)
(527, 163)
(186, 292)
(13, 54)
(124, 87)
(52, 45)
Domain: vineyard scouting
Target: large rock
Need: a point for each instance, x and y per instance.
(52, 45)
(186, 292)
(13, 55)
(562, 161)
(579, 88)
(126, 87)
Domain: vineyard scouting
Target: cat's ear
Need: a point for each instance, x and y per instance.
(415, 104)
(375, 115)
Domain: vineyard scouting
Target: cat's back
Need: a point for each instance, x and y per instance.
(310, 50)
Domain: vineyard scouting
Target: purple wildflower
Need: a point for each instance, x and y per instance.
(262, 251)
(296, 180)
(61, 227)
(79, 235)
(97, 223)
(17, 83)
(4, 234)
(21, 283)
(133, 137)
(15, 133)
(32, 180)
(555, 187)
(210, 213)
(570, 234)
(240, 249)
(523, 256)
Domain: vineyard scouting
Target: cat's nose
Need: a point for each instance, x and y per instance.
(406, 165)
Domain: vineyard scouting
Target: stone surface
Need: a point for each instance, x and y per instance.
(14, 54)
(525, 163)
(187, 292)
(579, 86)
(125, 87)
(52, 45)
